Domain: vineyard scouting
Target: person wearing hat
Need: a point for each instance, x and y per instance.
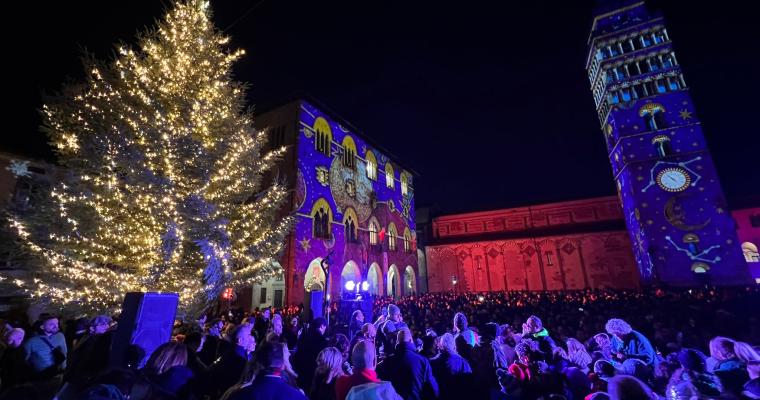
(390, 329)
(409, 372)
(270, 383)
(692, 380)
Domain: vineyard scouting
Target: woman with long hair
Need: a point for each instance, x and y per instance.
(728, 366)
(577, 354)
(329, 368)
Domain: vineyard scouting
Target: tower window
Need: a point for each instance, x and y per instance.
(350, 230)
(614, 98)
(653, 115)
(322, 215)
(392, 233)
(645, 40)
(662, 145)
(626, 94)
(404, 184)
(660, 86)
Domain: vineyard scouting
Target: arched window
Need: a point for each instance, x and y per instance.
(662, 145)
(392, 234)
(371, 165)
(653, 115)
(349, 152)
(389, 178)
(349, 223)
(322, 136)
(407, 240)
(404, 183)
(374, 228)
(322, 215)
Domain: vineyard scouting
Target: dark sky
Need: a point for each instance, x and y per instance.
(488, 101)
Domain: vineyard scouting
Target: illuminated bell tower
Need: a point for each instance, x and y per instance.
(676, 214)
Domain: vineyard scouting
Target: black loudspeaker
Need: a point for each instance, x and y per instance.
(146, 322)
(347, 307)
(312, 306)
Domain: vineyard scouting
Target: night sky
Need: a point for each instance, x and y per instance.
(488, 102)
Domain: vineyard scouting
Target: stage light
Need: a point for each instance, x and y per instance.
(365, 286)
(350, 286)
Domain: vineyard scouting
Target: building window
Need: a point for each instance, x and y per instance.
(614, 98)
(392, 234)
(626, 94)
(653, 115)
(407, 240)
(373, 230)
(404, 184)
(389, 178)
(662, 145)
(349, 152)
(349, 223)
(322, 215)
(371, 165)
(263, 295)
(322, 136)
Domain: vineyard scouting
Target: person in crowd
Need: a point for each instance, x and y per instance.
(261, 325)
(227, 370)
(629, 344)
(728, 367)
(534, 329)
(751, 389)
(409, 372)
(355, 324)
(603, 347)
(430, 347)
(89, 357)
(368, 332)
(308, 348)
(464, 336)
(276, 327)
(46, 352)
(329, 369)
(211, 345)
(486, 358)
(13, 366)
(577, 354)
(692, 380)
(166, 372)
(507, 343)
(363, 383)
(268, 383)
(625, 387)
(291, 333)
(390, 328)
(452, 372)
(340, 342)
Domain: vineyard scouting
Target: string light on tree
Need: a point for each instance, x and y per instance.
(164, 188)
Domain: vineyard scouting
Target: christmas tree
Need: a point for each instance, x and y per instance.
(164, 187)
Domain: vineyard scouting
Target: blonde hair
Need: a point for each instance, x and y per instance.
(722, 348)
(577, 354)
(166, 356)
(617, 326)
(745, 352)
(448, 343)
(329, 363)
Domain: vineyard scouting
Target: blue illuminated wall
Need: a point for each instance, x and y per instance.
(330, 180)
(675, 211)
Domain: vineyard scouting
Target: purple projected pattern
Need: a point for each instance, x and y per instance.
(344, 209)
(674, 208)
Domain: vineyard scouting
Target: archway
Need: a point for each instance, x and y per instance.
(394, 282)
(314, 279)
(375, 280)
(410, 281)
(350, 273)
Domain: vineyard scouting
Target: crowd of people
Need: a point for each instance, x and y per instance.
(592, 344)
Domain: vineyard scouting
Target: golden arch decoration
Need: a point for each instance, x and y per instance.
(371, 165)
(319, 225)
(389, 175)
(323, 135)
(314, 279)
(650, 108)
(392, 234)
(350, 212)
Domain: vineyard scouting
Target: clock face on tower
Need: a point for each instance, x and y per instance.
(673, 179)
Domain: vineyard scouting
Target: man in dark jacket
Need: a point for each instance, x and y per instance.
(451, 371)
(227, 371)
(409, 372)
(270, 383)
(486, 358)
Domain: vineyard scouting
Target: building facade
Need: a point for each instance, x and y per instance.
(351, 202)
(673, 205)
(560, 246)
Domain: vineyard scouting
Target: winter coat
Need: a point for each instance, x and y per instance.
(410, 374)
(732, 374)
(453, 375)
(267, 387)
(373, 391)
(635, 345)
